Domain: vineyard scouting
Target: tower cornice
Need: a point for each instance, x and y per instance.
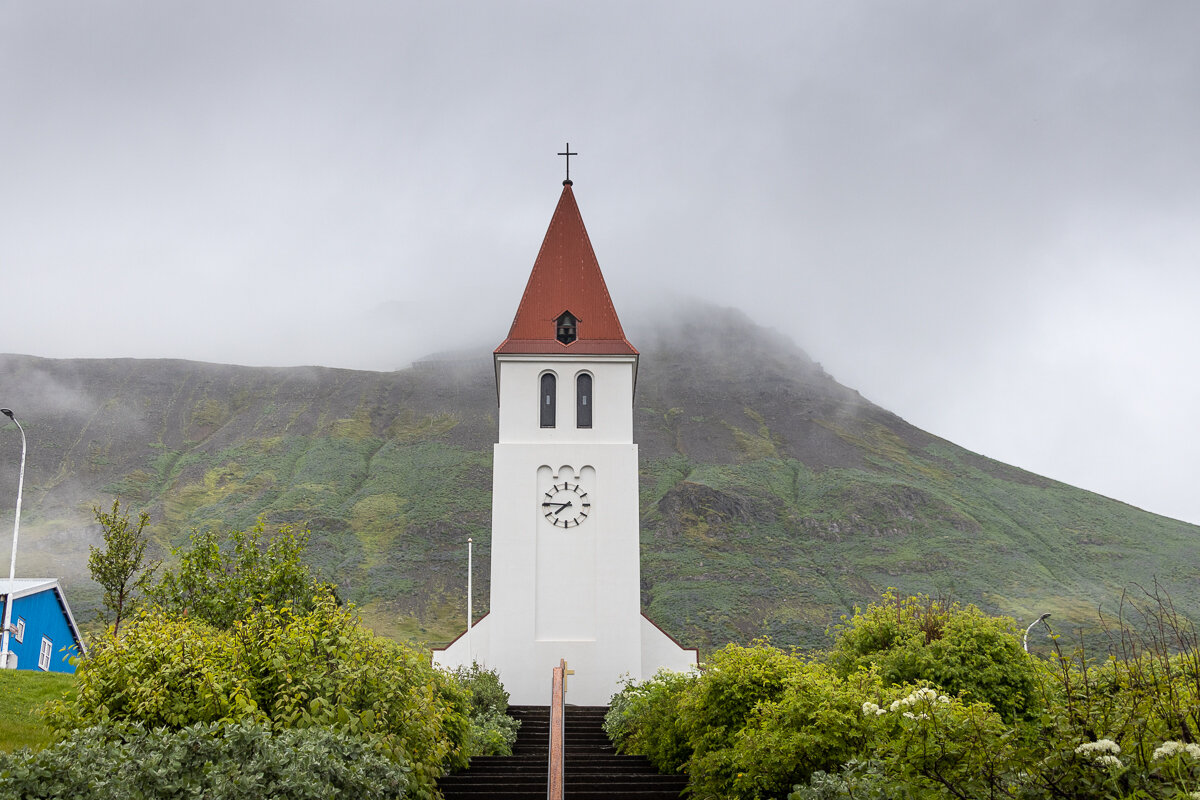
(499, 358)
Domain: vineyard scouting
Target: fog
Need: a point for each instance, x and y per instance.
(980, 215)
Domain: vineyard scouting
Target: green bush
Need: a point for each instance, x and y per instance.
(1150, 697)
(159, 672)
(1120, 727)
(1101, 736)
(957, 648)
(857, 780)
(753, 722)
(924, 700)
(493, 732)
(815, 724)
(245, 760)
(323, 667)
(713, 712)
(937, 745)
(643, 719)
(280, 667)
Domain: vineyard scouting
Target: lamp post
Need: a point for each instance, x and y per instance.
(1025, 638)
(12, 566)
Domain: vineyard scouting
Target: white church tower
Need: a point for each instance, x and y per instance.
(565, 580)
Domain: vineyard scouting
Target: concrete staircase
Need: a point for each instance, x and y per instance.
(593, 769)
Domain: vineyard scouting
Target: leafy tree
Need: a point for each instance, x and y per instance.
(815, 724)
(223, 577)
(121, 567)
(733, 681)
(957, 648)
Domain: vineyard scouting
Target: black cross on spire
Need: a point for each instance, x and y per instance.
(568, 154)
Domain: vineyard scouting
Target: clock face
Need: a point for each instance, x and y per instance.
(566, 505)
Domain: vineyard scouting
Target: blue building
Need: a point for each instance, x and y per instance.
(43, 634)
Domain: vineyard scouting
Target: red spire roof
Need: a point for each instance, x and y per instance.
(566, 278)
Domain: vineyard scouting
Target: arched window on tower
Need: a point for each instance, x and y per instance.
(583, 400)
(564, 328)
(547, 400)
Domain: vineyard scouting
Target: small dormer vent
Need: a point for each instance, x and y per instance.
(565, 328)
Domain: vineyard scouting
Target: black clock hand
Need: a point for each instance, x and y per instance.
(561, 506)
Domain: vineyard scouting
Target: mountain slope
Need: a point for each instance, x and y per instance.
(773, 498)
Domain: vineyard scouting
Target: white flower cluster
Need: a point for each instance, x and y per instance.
(1099, 746)
(1102, 751)
(920, 695)
(1172, 748)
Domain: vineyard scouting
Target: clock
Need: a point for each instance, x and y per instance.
(566, 505)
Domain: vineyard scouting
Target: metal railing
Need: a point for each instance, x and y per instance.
(557, 760)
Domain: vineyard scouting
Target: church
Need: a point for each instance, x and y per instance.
(565, 572)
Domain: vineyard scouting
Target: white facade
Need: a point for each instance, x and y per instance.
(565, 573)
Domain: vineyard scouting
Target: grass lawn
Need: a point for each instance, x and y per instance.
(22, 694)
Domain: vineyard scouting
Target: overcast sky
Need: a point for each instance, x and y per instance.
(983, 216)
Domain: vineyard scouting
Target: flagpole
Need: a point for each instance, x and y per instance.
(470, 615)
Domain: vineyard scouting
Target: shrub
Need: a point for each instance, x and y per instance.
(857, 780)
(643, 719)
(752, 723)
(280, 667)
(160, 672)
(323, 667)
(815, 724)
(757, 721)
(1120, 727)
(492, 732)
(733, 682)
(217, 762)
(957, 648)
(938, 745)
(921, 744)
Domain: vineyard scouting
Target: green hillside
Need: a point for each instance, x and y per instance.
(773, 498)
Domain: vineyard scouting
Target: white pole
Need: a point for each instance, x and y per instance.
(12, 566)
(470, 615)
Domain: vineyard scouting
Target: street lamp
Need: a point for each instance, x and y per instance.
(1025, 639)
(12, 566)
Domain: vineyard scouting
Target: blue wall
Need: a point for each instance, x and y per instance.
(43, 617)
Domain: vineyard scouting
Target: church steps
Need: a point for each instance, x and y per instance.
(593, 771)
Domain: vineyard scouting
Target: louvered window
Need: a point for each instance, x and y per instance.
(565, 328)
